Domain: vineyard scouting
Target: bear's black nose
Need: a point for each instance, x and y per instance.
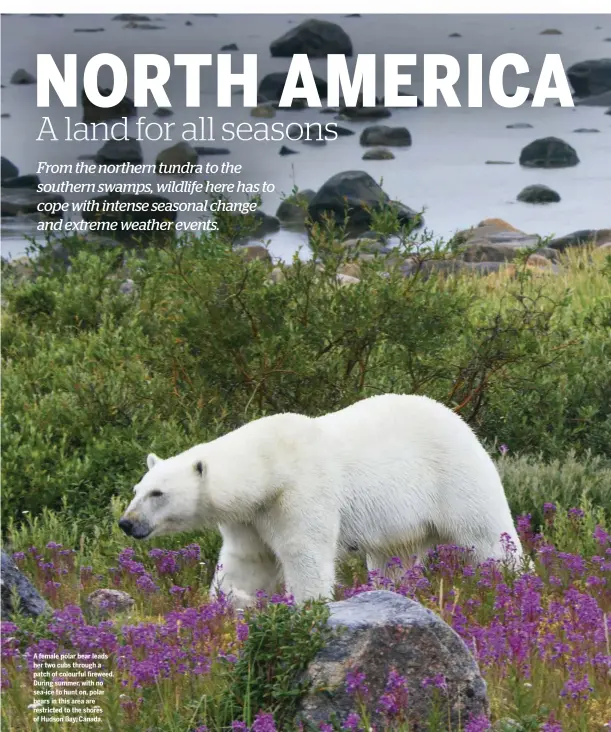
(126, 526)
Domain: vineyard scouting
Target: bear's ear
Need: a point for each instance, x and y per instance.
(200, 468)
(152, 460)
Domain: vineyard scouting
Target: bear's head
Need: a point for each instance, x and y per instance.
(168, 499)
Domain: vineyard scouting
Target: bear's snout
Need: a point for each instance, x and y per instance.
(137, 529)
(127, 526)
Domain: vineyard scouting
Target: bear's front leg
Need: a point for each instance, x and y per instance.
(245, 565)
(305, 542)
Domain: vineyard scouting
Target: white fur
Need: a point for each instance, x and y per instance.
(393, 475)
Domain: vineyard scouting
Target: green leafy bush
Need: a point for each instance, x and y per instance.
(94, 379)
(269, 673)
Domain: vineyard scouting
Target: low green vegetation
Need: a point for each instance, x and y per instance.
(94, 379)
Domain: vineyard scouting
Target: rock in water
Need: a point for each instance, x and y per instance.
(378, 153)
(11, 579)
(590, 77)
(294, 209)
(17, 201)
(549, 152)
(377, 112)
(596, 100)
(359, 194)
(22, 181)
(132, 17)
(380, 632)
(92, 113)
(8, 169)
(383, 135)
(21, 77)
(180, 154)
(120, 151)
(580, 238)
(316, 38)
(538, 194)
(272, 86)
(265, 111)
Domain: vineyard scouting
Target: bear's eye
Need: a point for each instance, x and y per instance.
(156, 494)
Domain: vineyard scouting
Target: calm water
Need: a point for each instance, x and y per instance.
(443, 172)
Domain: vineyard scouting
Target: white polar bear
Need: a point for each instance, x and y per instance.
(393, 475)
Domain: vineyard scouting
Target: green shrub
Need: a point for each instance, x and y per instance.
(530, 482)
(269, 674)
(94, 379)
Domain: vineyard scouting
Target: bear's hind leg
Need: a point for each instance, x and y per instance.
(245, 565)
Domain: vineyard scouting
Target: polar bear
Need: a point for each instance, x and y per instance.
(393, 475)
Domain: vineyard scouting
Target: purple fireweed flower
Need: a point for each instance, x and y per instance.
(191, 553)
(576, 513)
(393, 701)
(503, 449)
(263, 723)
(166, 561)
(508, 544)
(551, 725)
(18, 556)
(324, 727)
(238, 726)
(352, 723)
(478, 724)
(146, 584)
(242, 631)
(576, 690)
(601, 536)
(355, 683)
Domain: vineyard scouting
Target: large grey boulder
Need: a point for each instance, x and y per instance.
(13, 580)
(580, 238)
(494, 240)
(316, 38)
(548, 152)
(596, 100)
(381, 632)
(590, 77)
(359, 194)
